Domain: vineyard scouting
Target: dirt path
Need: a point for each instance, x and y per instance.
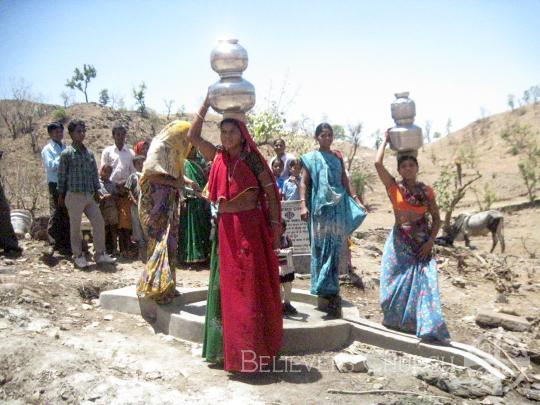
(59, 346)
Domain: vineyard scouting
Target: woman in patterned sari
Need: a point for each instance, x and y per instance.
(194, 246)
(332, 211)
(243, 188)
(409, 287)
(161, 180)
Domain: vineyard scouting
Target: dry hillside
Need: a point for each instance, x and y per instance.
(479, 142)
(22, 170)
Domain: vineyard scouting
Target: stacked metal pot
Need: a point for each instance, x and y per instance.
(231, 93)
(405, 137)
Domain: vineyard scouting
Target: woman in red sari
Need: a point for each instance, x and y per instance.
(242, 186)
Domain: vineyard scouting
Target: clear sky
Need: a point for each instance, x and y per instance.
(340, 60)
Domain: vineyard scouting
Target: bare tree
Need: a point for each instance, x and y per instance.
(24, 186)
(448, 126)
(117, 101)
(353, 137)
(427, 131)
(450, 190)
(19, 113)
(68, 98)
(168, 107)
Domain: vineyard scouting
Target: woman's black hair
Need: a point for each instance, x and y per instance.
(321, 127)
(229, 121)
(404, 158)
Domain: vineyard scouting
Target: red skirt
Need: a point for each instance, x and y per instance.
(250, 292)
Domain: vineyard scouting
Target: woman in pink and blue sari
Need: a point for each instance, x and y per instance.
(409, 284)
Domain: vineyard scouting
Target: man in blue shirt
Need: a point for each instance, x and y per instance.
(58, 228)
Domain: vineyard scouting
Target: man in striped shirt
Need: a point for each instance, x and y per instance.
(78, 185)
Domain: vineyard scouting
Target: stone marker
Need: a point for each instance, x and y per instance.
(492, 319)
(347, 363)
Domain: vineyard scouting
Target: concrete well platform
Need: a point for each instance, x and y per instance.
(307, 332)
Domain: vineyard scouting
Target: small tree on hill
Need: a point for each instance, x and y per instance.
(450, 190)
(339, 131)
(117, 101)
(20, 114)
(80, 79)
(104, 97)
(168, 107)
(522, 142)
(67, 98)
(529, 168)
(448, 126)
(427, 132)
(355, 131)
(139, 95)
(511, 101)
(377, 135)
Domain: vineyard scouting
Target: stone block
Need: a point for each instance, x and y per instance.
(347, 363)
(490, 319)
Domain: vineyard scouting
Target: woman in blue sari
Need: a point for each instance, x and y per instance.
(409, 287)
(333, 212)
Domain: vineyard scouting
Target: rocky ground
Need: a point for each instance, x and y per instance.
(58, 345)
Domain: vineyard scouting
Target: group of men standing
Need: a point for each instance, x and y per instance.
(73, 183)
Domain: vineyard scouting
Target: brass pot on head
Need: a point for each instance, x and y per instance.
(231, 93)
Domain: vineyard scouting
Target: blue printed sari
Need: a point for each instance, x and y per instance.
(409, 291)
(334, 215)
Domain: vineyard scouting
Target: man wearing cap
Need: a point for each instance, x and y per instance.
(58, 228)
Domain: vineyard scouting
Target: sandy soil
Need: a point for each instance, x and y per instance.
(59, 346)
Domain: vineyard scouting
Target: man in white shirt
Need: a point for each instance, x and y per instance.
(279, 148)
(120, 157)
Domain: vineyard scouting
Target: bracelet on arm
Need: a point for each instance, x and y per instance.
(200, 116)
(269, 184)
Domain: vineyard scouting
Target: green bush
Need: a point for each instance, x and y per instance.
(60, 115)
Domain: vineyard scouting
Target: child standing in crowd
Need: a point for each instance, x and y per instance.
(286, 270)
(291, 186)
(277, 168)
(132, 185)
(281, 154)
(78, 186)
(108, 193)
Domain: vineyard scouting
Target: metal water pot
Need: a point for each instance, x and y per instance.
(403, 109)
(405, 137)
(229, 58)
(231, 93)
